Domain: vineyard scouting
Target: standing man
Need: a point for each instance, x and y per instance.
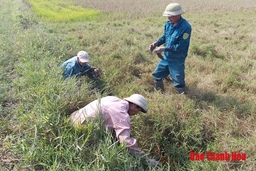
(78, 65)
(176, 39)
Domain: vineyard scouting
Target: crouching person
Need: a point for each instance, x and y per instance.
(116, 114)
(78, 66)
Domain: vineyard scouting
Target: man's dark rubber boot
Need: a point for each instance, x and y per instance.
(181, 90)
(159, 85)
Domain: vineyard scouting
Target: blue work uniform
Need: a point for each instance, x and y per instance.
(176, 39)
(72, 67)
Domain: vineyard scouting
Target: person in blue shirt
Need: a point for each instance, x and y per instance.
(176, 40)
(78, 65)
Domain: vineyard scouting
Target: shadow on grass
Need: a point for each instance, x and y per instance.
(242, 110)
(96, 84)
(226, 106)
(176, 140)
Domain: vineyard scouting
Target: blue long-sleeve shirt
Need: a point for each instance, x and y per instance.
(176, 39)
(72, 67)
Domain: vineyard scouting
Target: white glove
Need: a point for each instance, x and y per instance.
(159, 50)
(153, 163)
(152, 46)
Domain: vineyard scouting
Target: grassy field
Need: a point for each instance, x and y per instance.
(217, 115)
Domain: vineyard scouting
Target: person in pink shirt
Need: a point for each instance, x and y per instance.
(116, 114)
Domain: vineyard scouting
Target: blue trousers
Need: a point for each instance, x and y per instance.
(175, 67)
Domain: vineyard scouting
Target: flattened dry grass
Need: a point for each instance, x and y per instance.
(134, 9)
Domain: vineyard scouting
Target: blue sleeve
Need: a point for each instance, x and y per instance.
(182, 43)
(86, 67)
(63, 65)
(68, 72)
(161, 40)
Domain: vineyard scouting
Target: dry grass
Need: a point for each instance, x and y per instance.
(218, 114)
(144, 8)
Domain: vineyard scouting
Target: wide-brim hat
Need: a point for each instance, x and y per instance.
(173, 9)
(139, 100)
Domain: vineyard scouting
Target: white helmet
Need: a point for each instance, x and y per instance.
(173, 9)
(83, 56)
(138, 100)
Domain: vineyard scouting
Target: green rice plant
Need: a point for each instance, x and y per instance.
(62, 11)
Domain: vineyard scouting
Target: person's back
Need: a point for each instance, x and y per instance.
(112, 109)
(72, 67)
(76, 64)
(116, 116)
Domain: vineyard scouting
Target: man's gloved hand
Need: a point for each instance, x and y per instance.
(97, 72)
(159, 50)
(92, 73)
(153, 163)
(152, 46)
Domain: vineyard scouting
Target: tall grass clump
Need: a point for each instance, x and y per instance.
(62, 11)
(217, 114)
